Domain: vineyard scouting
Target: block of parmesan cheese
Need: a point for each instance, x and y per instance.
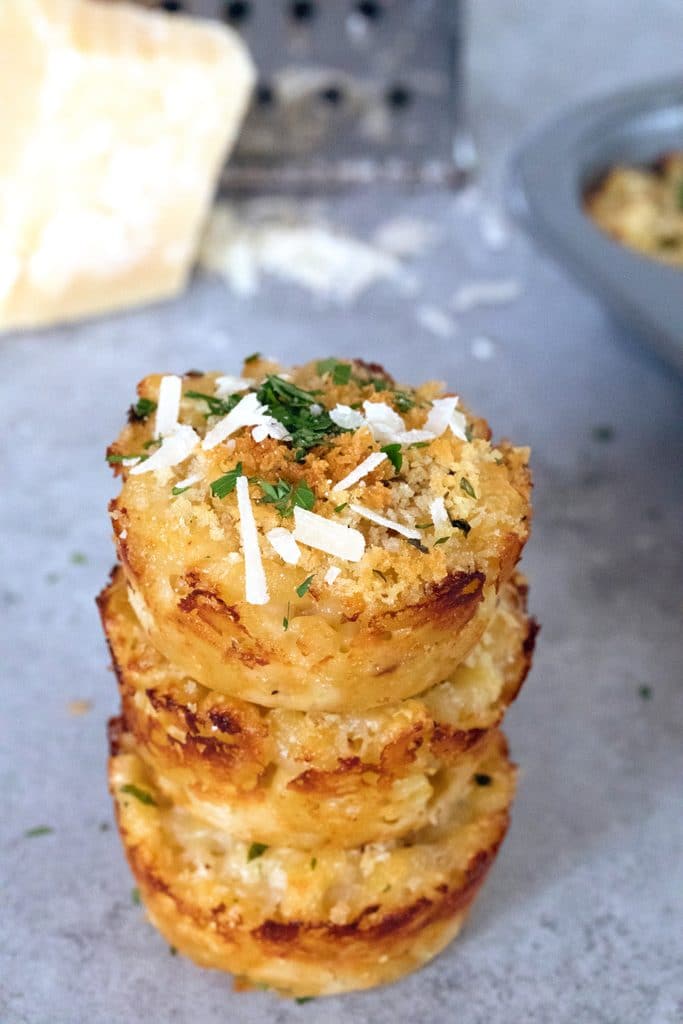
(115, 123)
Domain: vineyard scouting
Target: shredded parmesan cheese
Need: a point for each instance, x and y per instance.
(189, 481)
(366, 466)
(284, 545)
(346, 417)
(331, 575)
(374, 517)
(174, 449)
(443, 415)
(437, 510)
(388, 427)
(228, 385)
(334, 538)
(247, 413)
(168, 405)
(256, 588)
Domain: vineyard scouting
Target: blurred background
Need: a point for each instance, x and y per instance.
(426, 271)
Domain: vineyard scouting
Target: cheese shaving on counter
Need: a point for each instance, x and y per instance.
(247, 413)
(174, 449)
(374, 517)
(168, 405)
(284, 545)
(334, 538)
(366, 466)
(256, 588)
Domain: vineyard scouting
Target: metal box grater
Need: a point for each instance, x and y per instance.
(350, 91)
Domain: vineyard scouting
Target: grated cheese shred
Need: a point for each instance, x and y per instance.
(255, 585)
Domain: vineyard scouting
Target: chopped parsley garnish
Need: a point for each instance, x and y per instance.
(380, 574)
(225, 485)
(340, 372)
(135, 897)
(216, 406)
(173, 951)
(420, 444)
(285, 621)
(645, 692)
(467, 487)
(291, 406)
(153, 442)
(394, 454)
(114, 459)
(39, 830)
(175, 491)
(253, 357)
(404, 401)
(256, 850)
(143, 408)
(423, 526)
(314, 862)
(461, 524)
(379, 383)
(285, 497)
(419, 545)
(340, 508)
(140, 794)
(78, 558)
(468, 433)
(304, 999)
(304, 587)
(482, 779)
(441, 540)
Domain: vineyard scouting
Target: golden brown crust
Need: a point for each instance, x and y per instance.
(340, 921)
(399, 618)
(642, 207)
(309, 779)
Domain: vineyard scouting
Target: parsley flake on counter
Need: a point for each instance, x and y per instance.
(135, 897)
(173, 951)
(286, 496)
(305, 586)
(225, 484)
(461, 524)
(304, 999)
(39, 830)
(143, 408)
(140, 794)
(256, 850)
(645, 692)
(394, 454)
(467, 487)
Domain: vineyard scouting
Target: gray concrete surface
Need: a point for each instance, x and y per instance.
(580, 922)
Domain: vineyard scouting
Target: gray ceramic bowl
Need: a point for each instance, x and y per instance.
(549, 175)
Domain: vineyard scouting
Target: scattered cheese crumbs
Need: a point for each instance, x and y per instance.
(366, 466)
(443, 414)
(334, 538)
(485, 293)
(331, 575)
(437, 510)
(133, 461)
(436, 321)
(247, 413)
(175, 448)
(346, 417)
(227, 385)
(256, 588)
(168, 405)
(189, 481)
(315, 409)
(284, 544)
(374, 517)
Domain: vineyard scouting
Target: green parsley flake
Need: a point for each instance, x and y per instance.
(225, 485)
(173, 951)
(461, 524)
(304, 999)
(256, 850)
(404, 401)
(175, 491)
(143, 408)
(304, 587)
(645, 692)
(285, 621)
(216, 406)
(314, 863)
(140, 794)
(340, 508)
(285, 497)
(441, 540)
(39, 830)
(393, 453)
(135, 897)
(78, 558)
(253, 357)
(380, 574)
(115, 459)
(420, 444)
(467, 487)
(291, 406)
(340, 372)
